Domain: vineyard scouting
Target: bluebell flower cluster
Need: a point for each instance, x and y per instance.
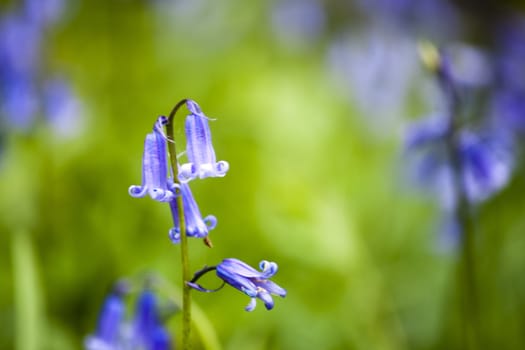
(141, 331)
(162, 185)
(25, 91)
(454, 153)
(158, 182)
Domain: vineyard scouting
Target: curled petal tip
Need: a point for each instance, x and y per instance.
(137, 191)
(187, 172)
(222, 168)
(174, 236)
(251, 306)
(210, 221)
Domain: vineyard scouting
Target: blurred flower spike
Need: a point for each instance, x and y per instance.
(253, 283)
(196, 226)
(154, 166)
(143, 331)
(486, 160)
(202, 162)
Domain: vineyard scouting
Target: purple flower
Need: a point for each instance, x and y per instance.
(202, 162)
(154, 166)
(253, 283)
(148, 332)
(109, 328)
(486, 160)
(62, 108)
(143, 330)
(487, 164)
(196, 226)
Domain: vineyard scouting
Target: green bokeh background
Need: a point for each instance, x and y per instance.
(311, 186)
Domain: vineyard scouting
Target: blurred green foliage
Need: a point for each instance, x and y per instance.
(310, 187)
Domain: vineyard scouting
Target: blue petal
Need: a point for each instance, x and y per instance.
(240, 268)
(161, 339)
(271, 287)
(239, 282)
(154, 166)
(110, 319)
(266, 298)
(146, 318)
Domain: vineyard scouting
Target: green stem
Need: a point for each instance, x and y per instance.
(185, 260)
(464, 219)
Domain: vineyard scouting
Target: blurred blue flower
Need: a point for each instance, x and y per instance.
(24, 91)
(154, 166)
(508, 98)
(62, 108)
(144, 331)
(44, 12)
(298, 22)
(148, 332)
(201, 155)
(253, 283)
(486, 160)
(196, 226)
(108, 335)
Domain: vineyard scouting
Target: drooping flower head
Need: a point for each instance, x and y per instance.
(196, 226)
(154, 166)
(202, 162)
(253, 283)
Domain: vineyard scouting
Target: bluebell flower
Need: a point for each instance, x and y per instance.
(143, 331)
(154, 166)
(253, 283)
(148, 331)
(486, 160)
(196, 226)
(62, 108)
(108, 335)
(202, 162)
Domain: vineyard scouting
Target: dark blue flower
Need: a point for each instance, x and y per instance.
(196, 226)
(154, 166)
(148, 331)
(202, 162)
(253, 283)
(143, 331)
(109, 329)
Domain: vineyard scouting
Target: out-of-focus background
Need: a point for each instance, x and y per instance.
(312, 100)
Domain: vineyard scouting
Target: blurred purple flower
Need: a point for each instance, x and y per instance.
(62, 108)
(148, 332)
(44, 12)
(22, 94)
(508, 98)
(196, 226)
(298, 21)
(108, 335)
(365, 64)
(143, 331)
(486, 161)
(435, 19)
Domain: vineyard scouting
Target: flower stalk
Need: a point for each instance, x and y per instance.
(462, 209)
(185, 260)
